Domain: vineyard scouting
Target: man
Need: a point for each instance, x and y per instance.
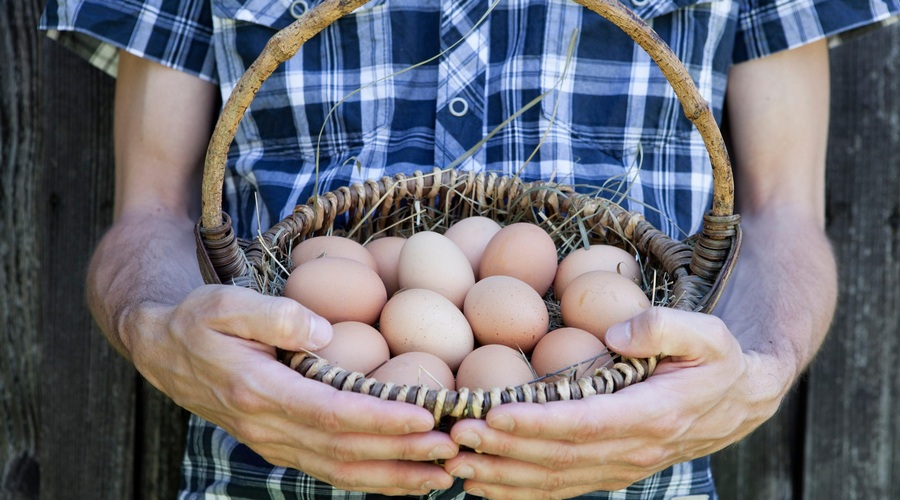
(211, 348)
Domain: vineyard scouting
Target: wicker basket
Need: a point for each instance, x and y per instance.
(697, 268)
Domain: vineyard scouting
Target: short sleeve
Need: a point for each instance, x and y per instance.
(174, 33)
(769, 26)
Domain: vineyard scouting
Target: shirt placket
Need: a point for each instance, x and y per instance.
(462, 70)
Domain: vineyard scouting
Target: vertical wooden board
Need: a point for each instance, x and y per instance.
(852, 423)
(19, 251)
(763, 465)
(88, 391)
(162, 430)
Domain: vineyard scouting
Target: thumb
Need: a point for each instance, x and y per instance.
(275, 321)
(683, 335)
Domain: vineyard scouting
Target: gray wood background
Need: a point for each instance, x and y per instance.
(77, 421)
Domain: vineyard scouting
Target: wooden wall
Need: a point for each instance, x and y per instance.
(77, 422)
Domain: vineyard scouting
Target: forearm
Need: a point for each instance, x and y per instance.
(146, 258)
(781, 299)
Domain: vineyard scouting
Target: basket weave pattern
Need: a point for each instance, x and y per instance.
(697, 269)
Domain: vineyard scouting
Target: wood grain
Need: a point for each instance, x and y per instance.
(852, 414)
(19, 251)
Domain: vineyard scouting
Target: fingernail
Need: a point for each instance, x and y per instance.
(469, 439)
(502, 423)
(319, 332)
(442, 451)
(463, 471)
(475, 492)
(619, 336)
(428, 486)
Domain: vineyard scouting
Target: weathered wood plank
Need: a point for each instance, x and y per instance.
(19, 253)
(105, 430)
(854, 395)
(88, 391)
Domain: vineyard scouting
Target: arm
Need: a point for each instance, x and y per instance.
(212, 348)
(723, 377)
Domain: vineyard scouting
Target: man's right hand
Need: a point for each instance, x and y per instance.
(213, 354)
(212, 348)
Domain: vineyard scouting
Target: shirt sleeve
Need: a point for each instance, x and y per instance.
(174, 33)
(769, 26)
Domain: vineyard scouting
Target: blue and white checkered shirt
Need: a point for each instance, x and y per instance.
(607, 118)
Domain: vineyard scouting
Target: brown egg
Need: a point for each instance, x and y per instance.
(423, 320)
(338, 289)
(386, 251)
(569, 352)
(356, 347)
(595, 258)
(472, 235)
(505, 310)
(524, 251)
(331, 246)
(597, 300)
(416, 368)
(492, 366)
(431, 261)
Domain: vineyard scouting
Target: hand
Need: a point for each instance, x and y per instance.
(214, 355)
(704, 396)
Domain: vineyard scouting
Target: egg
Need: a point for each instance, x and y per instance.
(569, 352)
(338, 289)
(331, 246)
(423, 320)
(505, 310)
(492, 366)
(415, 368)
(524, 251)
(595, 258)
(431, 261)
(356, 347)
(597, 300)
(472, 235)
(386, 251)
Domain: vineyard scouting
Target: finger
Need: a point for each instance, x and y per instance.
(390, 477)
(274, 321)
(274, 388)
(558, 454)
(683, 335)
(496, 477)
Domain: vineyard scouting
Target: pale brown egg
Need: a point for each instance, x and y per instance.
(597, 300)
(331, 246)
(431, 261)
(338, 289)
(356, 347)
(524, 251)
(595, 258)
(416, 368)
(423, 320)
(472, 235)
(386, 251)
(505, 310)
(569, 352)
(492, 366)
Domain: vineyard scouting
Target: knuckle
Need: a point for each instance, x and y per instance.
(340, 451)
(327, 420)
(648, 458)
(553, 481)
(563, 458)
(283, 317)
(341, 477)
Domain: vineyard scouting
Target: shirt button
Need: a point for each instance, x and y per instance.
(458, 107)
(298, 8)
(639, 3)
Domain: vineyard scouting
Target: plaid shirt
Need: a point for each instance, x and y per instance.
(608, 118)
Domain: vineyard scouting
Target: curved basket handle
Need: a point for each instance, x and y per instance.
(284, 44)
